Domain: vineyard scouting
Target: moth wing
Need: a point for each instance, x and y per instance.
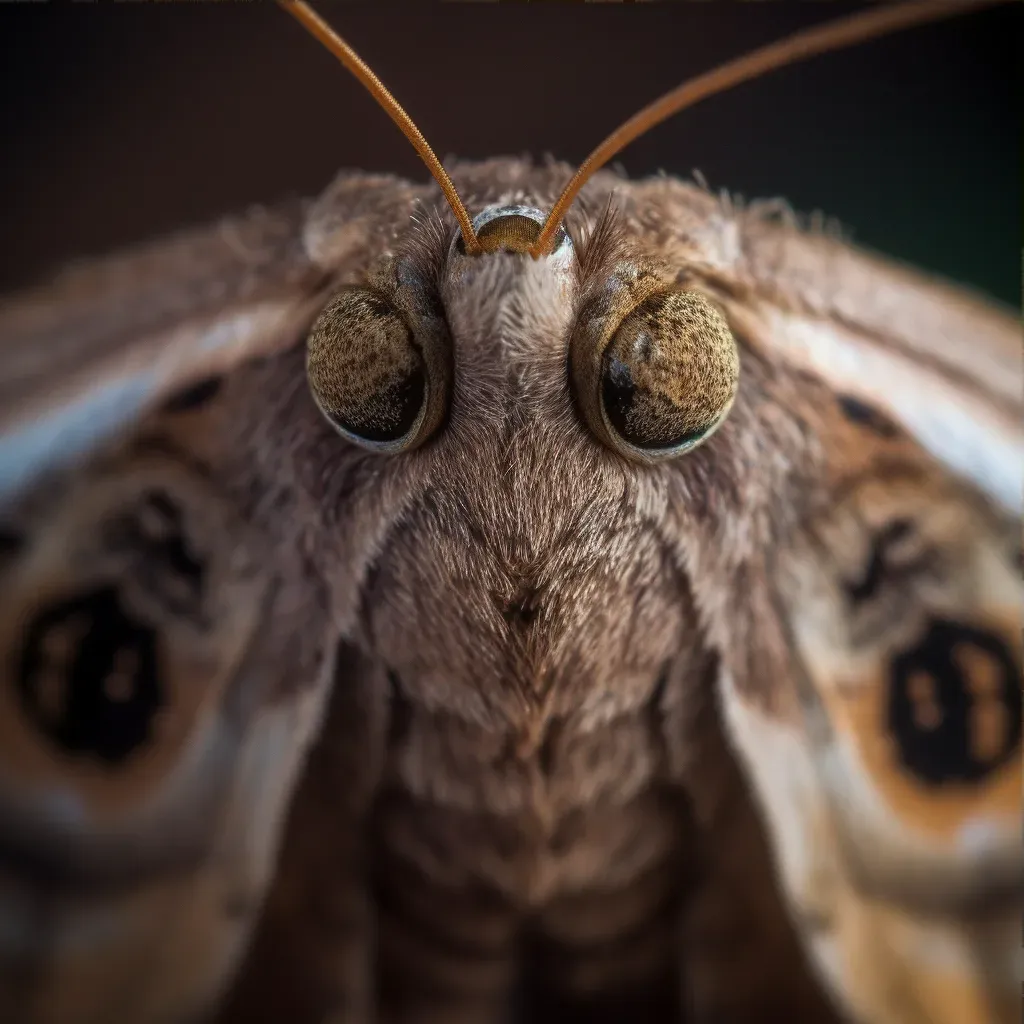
(943, 363)
(175, 584)
(88, 353)
(866, 602)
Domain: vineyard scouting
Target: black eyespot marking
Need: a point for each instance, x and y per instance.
(87, 677)
(193, 397)
(868, 416)
(955, 704)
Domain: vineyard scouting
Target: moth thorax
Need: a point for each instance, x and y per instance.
(515, 229)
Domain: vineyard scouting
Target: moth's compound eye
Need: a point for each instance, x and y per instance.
(667, 377)
(669, 374)
(369, 373)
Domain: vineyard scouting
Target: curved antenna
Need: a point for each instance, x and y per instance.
(320, 30)
(880, 20)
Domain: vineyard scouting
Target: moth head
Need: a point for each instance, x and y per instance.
(653, 380)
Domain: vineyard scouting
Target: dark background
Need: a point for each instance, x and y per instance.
(122, 121)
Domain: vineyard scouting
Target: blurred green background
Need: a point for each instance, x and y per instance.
(123, 121)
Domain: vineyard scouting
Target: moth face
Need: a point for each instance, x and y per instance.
(528, 580)
(653, 366)
(553, 587)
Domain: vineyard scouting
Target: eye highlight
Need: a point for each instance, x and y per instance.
(371, 376)
(662, 381)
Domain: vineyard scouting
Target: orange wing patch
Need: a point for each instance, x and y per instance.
(894, 799)
(939, 728)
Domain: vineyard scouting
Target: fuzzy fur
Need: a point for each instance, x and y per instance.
(526, 664)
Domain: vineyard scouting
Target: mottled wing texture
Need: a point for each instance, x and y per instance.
(856, 566)
(168, 633)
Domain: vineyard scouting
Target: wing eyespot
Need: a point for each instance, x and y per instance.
(954, 707)
(88, 679)
(914, 658)
(126, 619)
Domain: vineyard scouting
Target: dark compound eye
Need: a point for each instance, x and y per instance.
(87, 677)
(668, 375)
(368, 374)
(955, 704)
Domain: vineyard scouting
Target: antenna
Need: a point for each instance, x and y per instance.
(881, 19)
(319, 29)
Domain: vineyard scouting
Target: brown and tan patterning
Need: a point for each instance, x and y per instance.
(587, 734)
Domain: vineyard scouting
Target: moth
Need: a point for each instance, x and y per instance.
(455, 603)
